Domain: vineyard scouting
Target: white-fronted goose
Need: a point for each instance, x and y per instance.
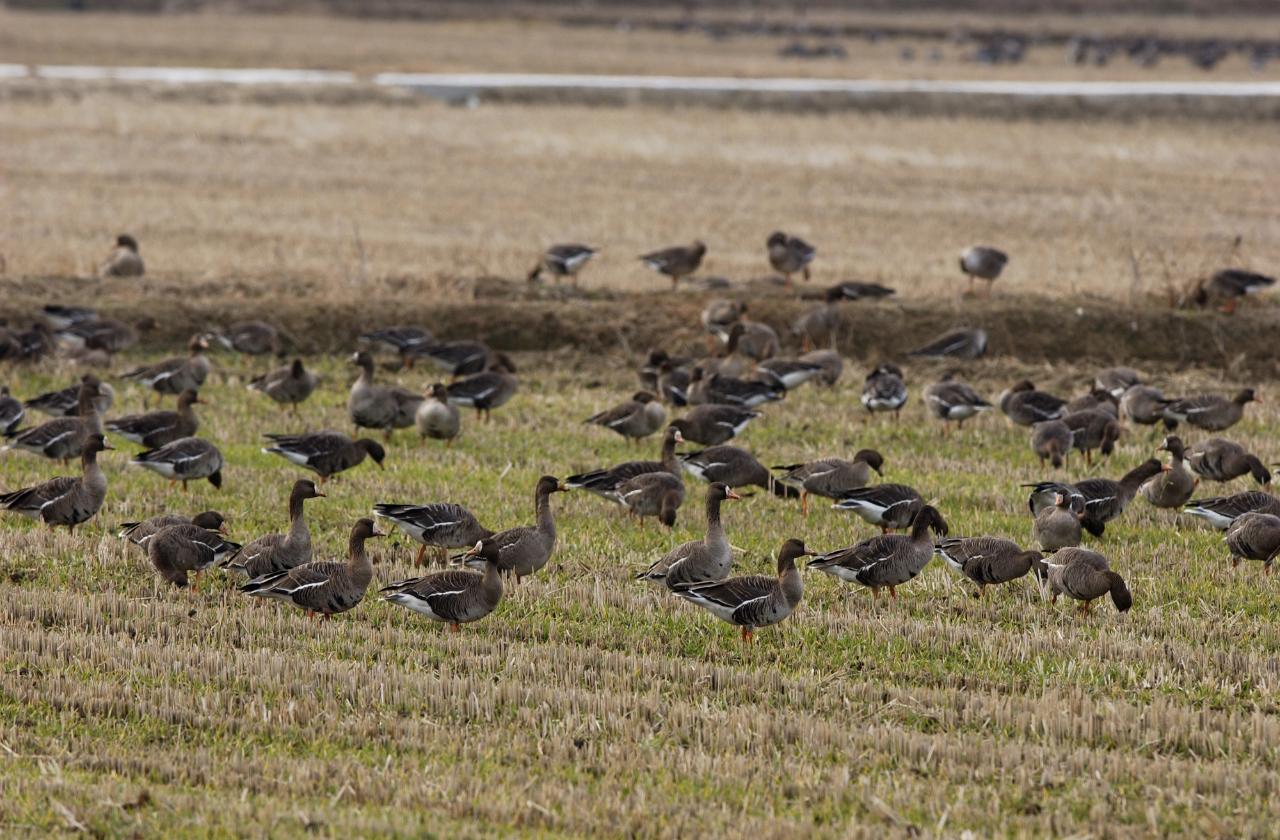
(1143, 405)
(856, 290)
(822, 324)
(280, 552)
(1092, 430)
(157, 428)
(407, 342)
(124, 260)
(752, 601)
(831, 363)
(789, 255)
(11, 413)
(325, 453)
(66, 500)
(139, 533)
(488, 390)
(1051, 441)
(1227, 287)
(176, 550)
(323, 588)
(1025, 406)
(638, 417)
(523, 550)
(1085, 576)
(1224, 460)
(734, 363)
(707, 559)
(29, 346)
(719, 316)
(61, 317)
(961, 343)
(987, 561)
(287, 385)
(733, 466)
(952, 401)
(173, 376)
(713, 424)
(888, 560)
(106, 335)
(678, 262)
(757, 340)
(884, 389)
(562, 261)
(185, 459)
(63, 438)
(1221, 511)
(984, 262)
(1058, 525)
(657, 494)
(1254, 536)
(726, 390)
(787, 374)
(1116, 380)
(65, 402)
(1104, 499)
(831, 478)
(253, 338)
(436, 417)
(604, 482)
(442, 525)
(890, 506)
(374, 406)
(1210, 412)
(455, 597)
(672, 384)
(1094, 400)
(458, 358)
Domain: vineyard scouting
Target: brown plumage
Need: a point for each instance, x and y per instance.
(789, 255)
(1085, 576)
(1223, 460)
(66, 500)
(1051, 441)
(63, 438)
(888, 560)
(1058, 526)
(638, 417)
(280, 552)
(325, 453)
(709, 558)
(1254, 536)
(987, 561)
(124, 261)
(455, 597)
(139, 533)
(176, 550)
(1174, 486)
(287, 385)
(657, 494)
(323, 588)
(678, 262)
(157, 428)
(524, 550)
(1211, 412)
(173, 376)
(1092, 430)
(752, 601)
(831, 478)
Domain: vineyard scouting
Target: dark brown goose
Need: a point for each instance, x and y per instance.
(562, 261)
(406, 341)
(65, 500)
(657, 494)
(1224, 460)
(287, 385)
(789, 255)
(1026, 406)
(1254, 536)
(831, 478)
(1094, 400)
(884, 389)
(524, 550)
(454, 597)
(677, 263)
(157, 428)
(891, 506)
(719, 316)
(1221, 511)
(1226, 288)
(1209, 411)
(752, 601)
(1103, 498)
(280, 552)
(63, 438)
(176, 550)
(488, 390)
(888, 560)
(374, 406)
(987, 561)
(323, 588)
(1085, 576)
(1174, 486)
(11, 413)
(638, 417)
(953, 401)
(604, 483)
(714, 424)
(1092, 430)
(173, 376)
(139, 533)
(1144, 405)
(442, 525)
(735, 467)
(1051, 441)
(325, 453)
(458, 358)
(709, 558)
(124, 260)
(185, 459)
(65, 402)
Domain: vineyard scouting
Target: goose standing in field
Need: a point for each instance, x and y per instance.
(1143, 405)
(855, 290)
(1085, 576)
(11, 413)
(524, 550)
(61, 317)
(757, 340)
(1103, 498)
(604, 482)
(287, 385)
(173, 376)
(1025, 406)
(106, 335)
(707, 559)
(672, 384)
(714, 424)
(1116, 380)
(325, 453)
(407, 341)
(31, 345)
(1210, 412)
(1051, 441)
(253, 338)
(323, 588)
(638, 417)
(1220, 511)
(987, 561)
(1254, 536)
(436, 417)
(734, 467)
(890, 506)
(65, 402)
(734, 363)
(455, 597)
(1226, 288)
(1173, 487)
(374, 406)
(139, 533)
(1092, 430)
(831, 478)
(176, 550)
(822, 324)
(984, 262)
(66, 500)
(789, 255)
(1224, 460)
(124, 260)
(1095, 399)
(657, 494)
(442, 525)
(63, 438)
(961, 343)
(953, 401)
(1058, 525)
(884, 389)
(157, 428)
(562, 261)
(280, 552)
(888, 560)
(787, 374)
(830, 363)
(719, 316)
(678, 262)
(185, 459)
(752, 601)
(458, 358)
(488, 390)
(727, 390)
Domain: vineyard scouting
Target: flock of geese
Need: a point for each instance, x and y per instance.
(719, 395)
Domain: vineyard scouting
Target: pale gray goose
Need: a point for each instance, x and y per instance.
(953, 401)
(1104, 499)
(678, 262)
(563, 261)
(157, 428)
(1051, 440)
(65, 402)
(524, 550)
(657, 494)
(454, 597)
(173, 376)
(63, 438)
(1209, 411)
(884, 389)
(831, 478)
(987, 561)
(830, 362)
(638, 417)
(287, 385)
(1174, 486)
(139, 533)
(789, 255)
(890, 506)
(185, 459)
(66, 500)
(407, 341)
(735, 467)
(1116, 380)
(441, 525)
(176, 550)
(1254, 536)
(1224, 460)
(11, 413)
(983, 262)
(1085, 576)
(713, 424)
(709, 558)
(1058, 525)
(752, 601)
(374, 406)
(124, 260)
(1092, 430)
(888, 560)
(604, 482)
(323, 588)
(1144, 405)
(1221, 511)
(960, 343)
(279, 552)
(436, 417)
(488, 390)
(1025, 406)
(253, 338)
(325, 453)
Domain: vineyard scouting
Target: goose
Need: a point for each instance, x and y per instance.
(1210, 412)
(124, 260)
(139, 533)
(287, 385)
(984, 262)
(756, 340)
(1025, 406)
(961, 343)
(325, 453)
(1227, 287)
(436, 417)
(752, 601)
(63, 438)
(176, 550)
(725, 390)
(323, 589)
(442, 525)
(1116, 380)
(707, 559)
(455, 597)
(789, 255)
(734, 467)
(888, 560)
(159, 427)
(604, 482)
(65, 402)
(953, 401)
(1051, 441)
(1144, 405)
(648, 373)
(488, 390)
(279, 552)
(1058, 525)
(61, 317)
(65, 500)
(29, 346)
(714, 424)
(1220, 511)
(253, 338)
(11, 413)
(1254, 536)
(891, 506)
(1224, 460)
(884, 389)
(821, 324)
(173, 376)
(787, 374)
(107, 335)
(638, 417)
(407, 341)
(524, 550)
(563, 261)
(672, 384)
(374, 406)
(830, 363)
(185, 459)
(1094, 400)
(458, 358)
(719, 316)
(678, 262)
(657, 494)
(1104, 499)
(1085, 576)
(1092, 430)
(735, 362)
(831, 478)
(987, 561)
(855, 290)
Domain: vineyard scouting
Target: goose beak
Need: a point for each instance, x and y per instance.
(319, 495)
(106, 445)
(732, 495)
(377, 533)
(1166, 468)
(679, 437)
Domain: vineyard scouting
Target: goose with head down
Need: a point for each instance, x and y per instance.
(455, 597)
(709, 558)
(1085, 576)
(884, 389)
(888, 560)
(173, 376)
(713, 424)
(562, 261)
(752, 601)
(185, 459)
(605, 482)
(1092, 430)
(983, 262)
(953, 401)
(960, 343)
(156, 428)
(1051, 441)
(1224, 460)
(1254, 536)
(657, 494)
(436, 417)
(407, 341)
(678, 262)
(63, 438)
(139, 533)
(490, 389)
(831, 478)
(1220, 511)
(178, 549)
(890, 506)
(11, 413)
(1025, 406)
(987, 561)
(441, 525)
(1104, 499)
(65, 402)
(735, 467)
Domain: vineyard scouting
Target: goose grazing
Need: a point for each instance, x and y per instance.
(1254, 536)
(374, 406)
(173, 376)
(455, 597)
(287, 385)
(1143, 405)
(1210, 412)
(888, 560)
(325, 453)
(1223, 460)
(29, 346)
(1094, 400)
(104, 335)
(890, 506)
(822, 324)
(830, 363)
(185, 459)
(752, 601)
(755, 340)
(407, 342)
(725, 390)
(962, 343)
(524, 550)
(1051, 441)
(719, 316)
(983, 262)
(458, 358)
(1092, 430)
(1221, 511)
(884, 389)
(734, 467)
(787, 374)
(11, 413)
(65, 402)
(638, 417)
(66, 500)
(697, 561)
(280, 552)
(657, 494)
(436, 417)
(1025, 406)
(139, 533)
(63, 438)
(953, 401)
(1173, 487)
(253, 338)
(672, 384)
(714, 424)
(176, 550)
(1058, 525)
(157, 428)
(488, 390)
(323, 589)
(1226, 288)
(604, 482)
(987, 561)
(678, 262)
(124, 260)
(789, 255)
(831, 478)
(1085, 576)
(855, 290)
(1116, 380)
(562, 261)
(1104, 499)
(442, 526)
(63, 317)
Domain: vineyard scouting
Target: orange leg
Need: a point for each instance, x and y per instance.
(893, 592)
(454, 627)
(748, 635)
(804, 504)
(421, 551)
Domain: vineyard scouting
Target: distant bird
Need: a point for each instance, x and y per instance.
(325, 453)
(1051, 441)
(855, 290)
(1218, 459)
(1254, 536)
(124, 261)
(323, 589)
(176, 550)
(185, 459)
(30, 345)
(1211, 412)
(752, 601)
(408, 342)
(490, 389)
(65, 402)
(1085, 576)
(987, 561)
(1172, 488)
(734, 467)
(697, 561)
(726, 390)
(713, 424)
(105, 335)
(1117, 380)
(563, 261)
(755, 340)
(789, 255)
(822, 324)
(253, 338)
(831, 478)
(719, 316)
(1094, 399)
(11, 413)
(1092, 430)
(961, 343)
(173, 376)
(157, 428)
(953, 401)
(436, 417)
(890, 506)
(657, 494)
(63, 317)
(677, 263)
(1104, 499)
(280, 552)
(1220, 511)
(884, 389)
(888, 560)
(1228, 287)
(831, 363)
(636, 418)
(371, 405)
(455, 597)
(139, 533)
(287, 385)
(672, 384)
(1144, 405)
(458, 358)
(983, 262)
(605, 482)
(1026, 406)
(524, 550)
(66, 500)
(442, 526)
(788, 374)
